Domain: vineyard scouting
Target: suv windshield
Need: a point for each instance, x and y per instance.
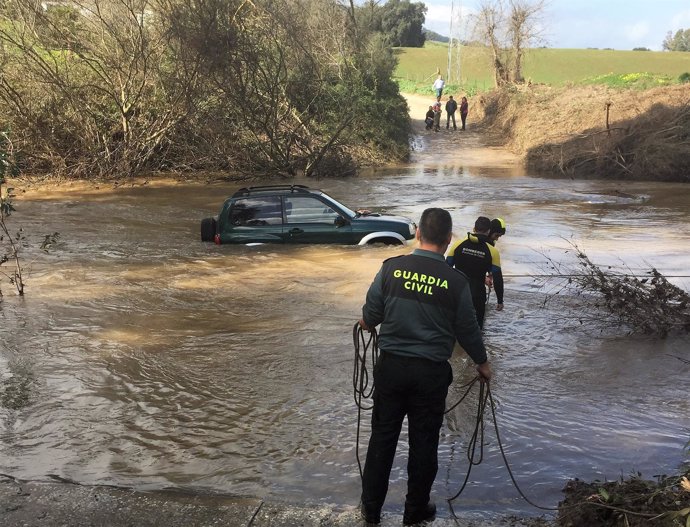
(340, 206)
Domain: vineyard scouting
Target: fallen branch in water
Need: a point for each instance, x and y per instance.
(647, 304)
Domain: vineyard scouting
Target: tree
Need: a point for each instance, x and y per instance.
(523, 30)
(9, 243)
(369, 16)
(678, 42)
(92, 91)
(509, 28)
(402, 23)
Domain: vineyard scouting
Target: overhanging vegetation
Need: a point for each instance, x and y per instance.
(113, 88)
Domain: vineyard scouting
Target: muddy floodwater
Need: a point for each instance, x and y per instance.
(142, 357)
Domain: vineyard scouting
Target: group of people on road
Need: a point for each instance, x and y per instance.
(424, 302)
(432, 118)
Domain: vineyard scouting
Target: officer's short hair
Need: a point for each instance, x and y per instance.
(435, 226)
(483, 224)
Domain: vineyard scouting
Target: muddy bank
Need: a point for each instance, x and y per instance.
(45, 504)
(594, 131)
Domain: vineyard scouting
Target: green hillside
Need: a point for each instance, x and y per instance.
(417, 66)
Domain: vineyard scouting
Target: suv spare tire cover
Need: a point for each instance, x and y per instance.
(208, 229)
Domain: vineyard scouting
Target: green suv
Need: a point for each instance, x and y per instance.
(299, 214)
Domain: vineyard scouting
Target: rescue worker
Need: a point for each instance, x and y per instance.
(474, 256)
(497, 229)
(423, 307)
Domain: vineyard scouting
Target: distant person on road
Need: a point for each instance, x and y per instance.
(429, 118)
(464, 109)
(438, 85)
(423, 307)
(498, 229)
(474, 256)
(451, 106)
(437, 114)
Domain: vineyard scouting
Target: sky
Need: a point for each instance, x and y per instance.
(617, 24)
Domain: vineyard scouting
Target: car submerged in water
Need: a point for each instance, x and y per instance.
(299, 214)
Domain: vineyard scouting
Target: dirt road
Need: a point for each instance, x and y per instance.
(468, 148)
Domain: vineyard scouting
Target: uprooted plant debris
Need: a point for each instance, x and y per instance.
(631, 502)
(643, 302)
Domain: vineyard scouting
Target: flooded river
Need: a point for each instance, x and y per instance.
(142, 357)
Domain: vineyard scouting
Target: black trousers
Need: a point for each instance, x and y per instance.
(417, 388)
(448, 118)
(478, 290)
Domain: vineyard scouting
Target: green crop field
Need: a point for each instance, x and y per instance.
(417, 67)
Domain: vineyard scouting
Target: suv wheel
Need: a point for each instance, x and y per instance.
(384, 241)
(208, 229)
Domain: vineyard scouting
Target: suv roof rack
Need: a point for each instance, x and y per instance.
(272, 188)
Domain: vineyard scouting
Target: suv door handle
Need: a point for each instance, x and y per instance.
(296, 231)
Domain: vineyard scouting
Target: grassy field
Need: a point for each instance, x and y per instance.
(417, 67)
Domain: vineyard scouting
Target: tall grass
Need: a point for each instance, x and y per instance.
(471, 72)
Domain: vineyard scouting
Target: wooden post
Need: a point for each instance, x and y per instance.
(608, 126)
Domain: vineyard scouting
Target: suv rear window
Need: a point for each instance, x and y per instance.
(256, 211)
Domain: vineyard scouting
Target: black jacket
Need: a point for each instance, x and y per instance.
(423, 306)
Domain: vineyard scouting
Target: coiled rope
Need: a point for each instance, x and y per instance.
(360, 377)
(475, 458)
(364, 389)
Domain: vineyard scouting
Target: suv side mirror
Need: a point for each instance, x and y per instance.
(339, 221)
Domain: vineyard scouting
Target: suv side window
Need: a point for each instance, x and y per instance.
(307, 209)
(264, 210)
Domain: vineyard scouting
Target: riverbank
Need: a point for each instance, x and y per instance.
(578, 131)
(593, 131)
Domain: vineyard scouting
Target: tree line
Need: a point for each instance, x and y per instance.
(112, 88)
(678, 41)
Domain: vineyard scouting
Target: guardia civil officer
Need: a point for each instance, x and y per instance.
(423, 306)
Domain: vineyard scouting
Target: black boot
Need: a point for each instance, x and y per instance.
(370, 517)
(413, 516)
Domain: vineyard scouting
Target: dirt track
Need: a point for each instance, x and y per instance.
(470, 148)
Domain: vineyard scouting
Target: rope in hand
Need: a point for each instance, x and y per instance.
(363, 389)
(360, 377)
